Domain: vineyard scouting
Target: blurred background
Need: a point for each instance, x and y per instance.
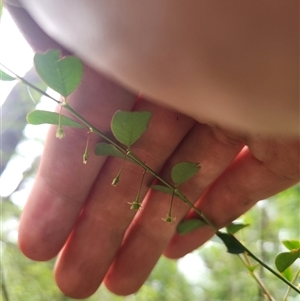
(209, 273)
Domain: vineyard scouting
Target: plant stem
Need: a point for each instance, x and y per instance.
(247, 264)
(92, 128)
(24, 81)
(131, 155)
(136, 205)
(171, 205)
(289, 288)
(291, 285)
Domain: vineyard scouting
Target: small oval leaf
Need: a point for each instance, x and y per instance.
(183, 171)
(6, 77)
(235, 227)
(162, 188)
(291, 244)
(61, 74)
(189, 225)
(286, 259)
(38, 117)
(128, 127)
(107, 149)
(232, 244)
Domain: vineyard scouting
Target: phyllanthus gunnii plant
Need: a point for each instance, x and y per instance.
(64, 74)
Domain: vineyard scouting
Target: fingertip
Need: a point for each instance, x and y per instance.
(40, 237)
(71, 291)
(121, 286)
(32, 246)
(72, 280)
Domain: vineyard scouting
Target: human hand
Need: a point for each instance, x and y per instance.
(233, 63)
(73, 208)
(107, 238)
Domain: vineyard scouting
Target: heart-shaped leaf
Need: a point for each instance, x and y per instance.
(107, 149)
(291, 244)
(6, 77)
(189, 225)
(183, 171)
(232, 244)
(286, 259)
(61, 74)
(235, 227)
(128, 127)
(38, 117)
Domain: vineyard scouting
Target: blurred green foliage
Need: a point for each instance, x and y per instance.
(223, 278)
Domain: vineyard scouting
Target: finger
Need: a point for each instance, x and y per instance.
(246, 182)
(99, 232)
(148, 235)
(63, 181)
(34, 35)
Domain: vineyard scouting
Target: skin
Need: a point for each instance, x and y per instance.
(248, 72)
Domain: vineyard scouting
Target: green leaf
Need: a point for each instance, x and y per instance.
(288, 274)
(38, 117)
(107, 149)
(291, 244)
(61, 74)
(5, 77)
(235, 227)
(232, 244)
(189, 225)
(286, 259)
(128, 127)
(183, 171)
(162, 188)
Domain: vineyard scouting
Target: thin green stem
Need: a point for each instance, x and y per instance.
(204, 218)
(172, 201)
(93, 129)
(24, 81)
(136, 204)
(289, 288)
(86, 150)
(291, 285)
(116, 180)
(129, 153)
(248, 265)
(142, 180)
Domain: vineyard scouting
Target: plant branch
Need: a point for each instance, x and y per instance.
(289, 288)
(135, 159)
(24, 81)
(248, 265)
(291, 285)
